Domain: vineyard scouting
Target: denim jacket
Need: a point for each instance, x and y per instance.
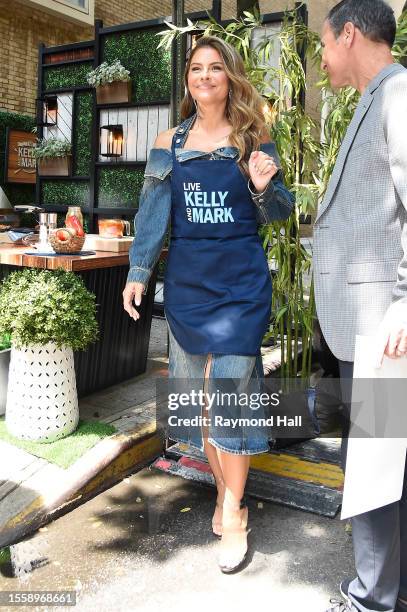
(154, 213)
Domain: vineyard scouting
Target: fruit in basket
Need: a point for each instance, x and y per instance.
(63, 235)
(66, 240)
(73, 222)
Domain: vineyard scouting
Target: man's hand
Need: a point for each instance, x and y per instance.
(262, 168)
(391, 338)
(132, 290)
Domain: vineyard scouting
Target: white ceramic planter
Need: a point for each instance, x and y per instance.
(42, 402)
(4, 368)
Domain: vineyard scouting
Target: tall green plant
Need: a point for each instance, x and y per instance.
(338, 107)
(296, 136)
(400, 44)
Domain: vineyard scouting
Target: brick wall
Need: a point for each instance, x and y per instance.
(22, 29)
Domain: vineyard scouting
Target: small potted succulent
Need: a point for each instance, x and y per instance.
(48, 314)
(112, 83)
(53, 157)
(5, 349)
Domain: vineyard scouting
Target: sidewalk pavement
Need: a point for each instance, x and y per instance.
(146, 545)
(34, 492)
(143, 541)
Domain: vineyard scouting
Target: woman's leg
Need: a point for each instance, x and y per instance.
(230, 472)
(184, 366)
(234, 468)
(212, 455)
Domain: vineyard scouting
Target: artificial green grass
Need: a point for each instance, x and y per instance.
(66, 451)
(5, 556)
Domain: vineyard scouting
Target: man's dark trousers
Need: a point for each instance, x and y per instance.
(379, 541)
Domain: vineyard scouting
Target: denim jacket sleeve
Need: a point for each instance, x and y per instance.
(152, 218)
(276, 203)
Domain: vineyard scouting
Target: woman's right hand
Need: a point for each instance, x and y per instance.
(132, 290)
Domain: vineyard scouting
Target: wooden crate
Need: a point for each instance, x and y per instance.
(94, 242)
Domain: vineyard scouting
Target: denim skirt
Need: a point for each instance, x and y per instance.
(233, 382)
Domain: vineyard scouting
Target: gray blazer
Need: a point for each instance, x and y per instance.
(360, 233)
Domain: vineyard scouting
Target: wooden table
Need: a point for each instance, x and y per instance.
(121, 351)
(15, 256)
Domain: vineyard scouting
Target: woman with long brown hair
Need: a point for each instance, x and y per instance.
(215, 177)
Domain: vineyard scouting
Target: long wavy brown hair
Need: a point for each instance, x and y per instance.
(244, 108)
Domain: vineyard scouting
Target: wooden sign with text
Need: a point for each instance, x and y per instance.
(20, 161)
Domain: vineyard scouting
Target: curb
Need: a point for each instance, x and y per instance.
(104, 465)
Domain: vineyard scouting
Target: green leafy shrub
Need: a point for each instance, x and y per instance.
(5, 342)
(52, 147)
(5, 556)
(41, 306)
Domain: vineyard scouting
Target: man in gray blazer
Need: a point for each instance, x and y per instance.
(360, 259)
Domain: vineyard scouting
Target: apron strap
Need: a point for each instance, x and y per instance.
(181, 134)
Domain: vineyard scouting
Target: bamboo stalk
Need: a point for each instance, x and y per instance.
(311, 310)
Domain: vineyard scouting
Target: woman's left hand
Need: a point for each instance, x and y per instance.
(262, 168)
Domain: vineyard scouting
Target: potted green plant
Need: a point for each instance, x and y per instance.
(5, 349)
(53, 157)
(48, 314)
(112, 83)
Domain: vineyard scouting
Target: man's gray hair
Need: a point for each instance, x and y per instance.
(374, 18)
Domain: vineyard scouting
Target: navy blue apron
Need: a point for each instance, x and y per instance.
(217, 285)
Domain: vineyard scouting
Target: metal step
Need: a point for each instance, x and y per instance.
(306, 476)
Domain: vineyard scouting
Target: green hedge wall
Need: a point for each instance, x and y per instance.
(62, 77)
(150, 68)
(70, 193)
(119, 187)
(82, 126)
(17, 194)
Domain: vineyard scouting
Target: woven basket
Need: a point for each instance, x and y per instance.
(69, 246)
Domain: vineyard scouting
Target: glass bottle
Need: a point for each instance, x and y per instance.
(43, 229)
(52, 221)
(76, 211)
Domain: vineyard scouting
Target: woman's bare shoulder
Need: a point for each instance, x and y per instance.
(164, 139)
